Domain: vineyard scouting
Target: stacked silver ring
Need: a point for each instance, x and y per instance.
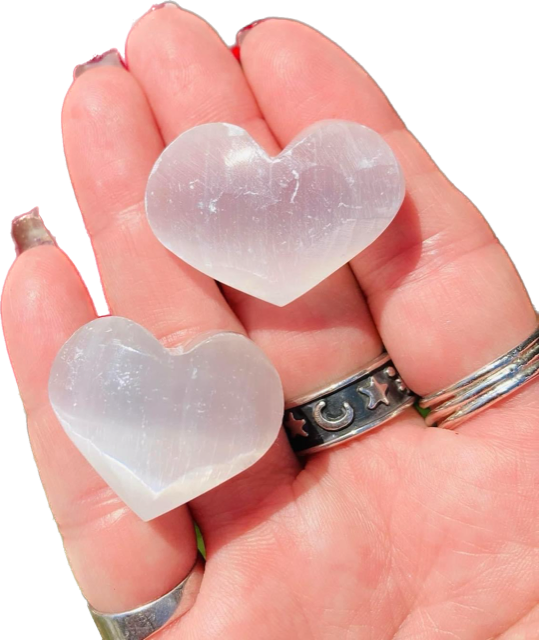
(493, 382)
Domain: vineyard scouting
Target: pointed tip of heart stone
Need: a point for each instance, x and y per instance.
(273, 227)
(163, 427)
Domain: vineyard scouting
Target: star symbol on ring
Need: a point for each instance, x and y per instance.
(295, 427)
(376, 392)
(391, 372)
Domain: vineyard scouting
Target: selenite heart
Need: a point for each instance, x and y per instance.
(164, 426)
(273, 227)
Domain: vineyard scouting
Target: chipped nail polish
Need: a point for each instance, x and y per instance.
(242, 33)
(28, 230)
(163, 5)
(156, 7)
(111, 58)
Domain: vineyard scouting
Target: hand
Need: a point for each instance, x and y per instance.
(406, 532)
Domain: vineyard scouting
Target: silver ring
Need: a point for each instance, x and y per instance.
(478, 391)
(144, 621)
(348, 408)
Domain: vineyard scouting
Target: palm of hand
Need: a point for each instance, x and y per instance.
(406, 532)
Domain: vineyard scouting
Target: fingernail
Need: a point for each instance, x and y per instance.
(111, 58)
(163, 5)
(156, 7)
(28, 230)
(242, 33)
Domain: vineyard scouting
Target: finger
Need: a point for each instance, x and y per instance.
(445, 297)
(190, 77)
(119, 561)
(310, 341)
(111, 143)
(164, 53)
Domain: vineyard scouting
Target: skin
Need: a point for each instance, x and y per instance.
(405, 533)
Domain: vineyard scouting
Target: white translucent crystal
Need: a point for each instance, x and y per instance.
(273, 227)
(160, 426)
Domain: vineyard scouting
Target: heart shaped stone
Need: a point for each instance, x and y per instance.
(273, 227)
(164, 426)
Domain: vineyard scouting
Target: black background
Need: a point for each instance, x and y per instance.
(462, 82)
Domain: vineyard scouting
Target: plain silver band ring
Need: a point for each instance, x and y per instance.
(144, 621)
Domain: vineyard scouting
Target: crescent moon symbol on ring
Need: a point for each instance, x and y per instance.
(333, 424)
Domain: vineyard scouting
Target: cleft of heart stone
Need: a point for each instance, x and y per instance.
(273, 227)
(164, 426)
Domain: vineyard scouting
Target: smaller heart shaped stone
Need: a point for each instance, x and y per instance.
(164, 426)
(273, 227)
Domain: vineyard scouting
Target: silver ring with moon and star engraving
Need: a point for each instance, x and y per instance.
(348, 408)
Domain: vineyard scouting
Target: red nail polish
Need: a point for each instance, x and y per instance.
(235, 48)
(235, 51)
(110, 58)
(28, 230)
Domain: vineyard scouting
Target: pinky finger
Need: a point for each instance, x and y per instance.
(119, 561)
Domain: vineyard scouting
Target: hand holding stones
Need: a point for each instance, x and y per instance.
(273, 227)
(164, 426)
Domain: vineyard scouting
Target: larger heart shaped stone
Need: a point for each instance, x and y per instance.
(160, 426)
(273, 227)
